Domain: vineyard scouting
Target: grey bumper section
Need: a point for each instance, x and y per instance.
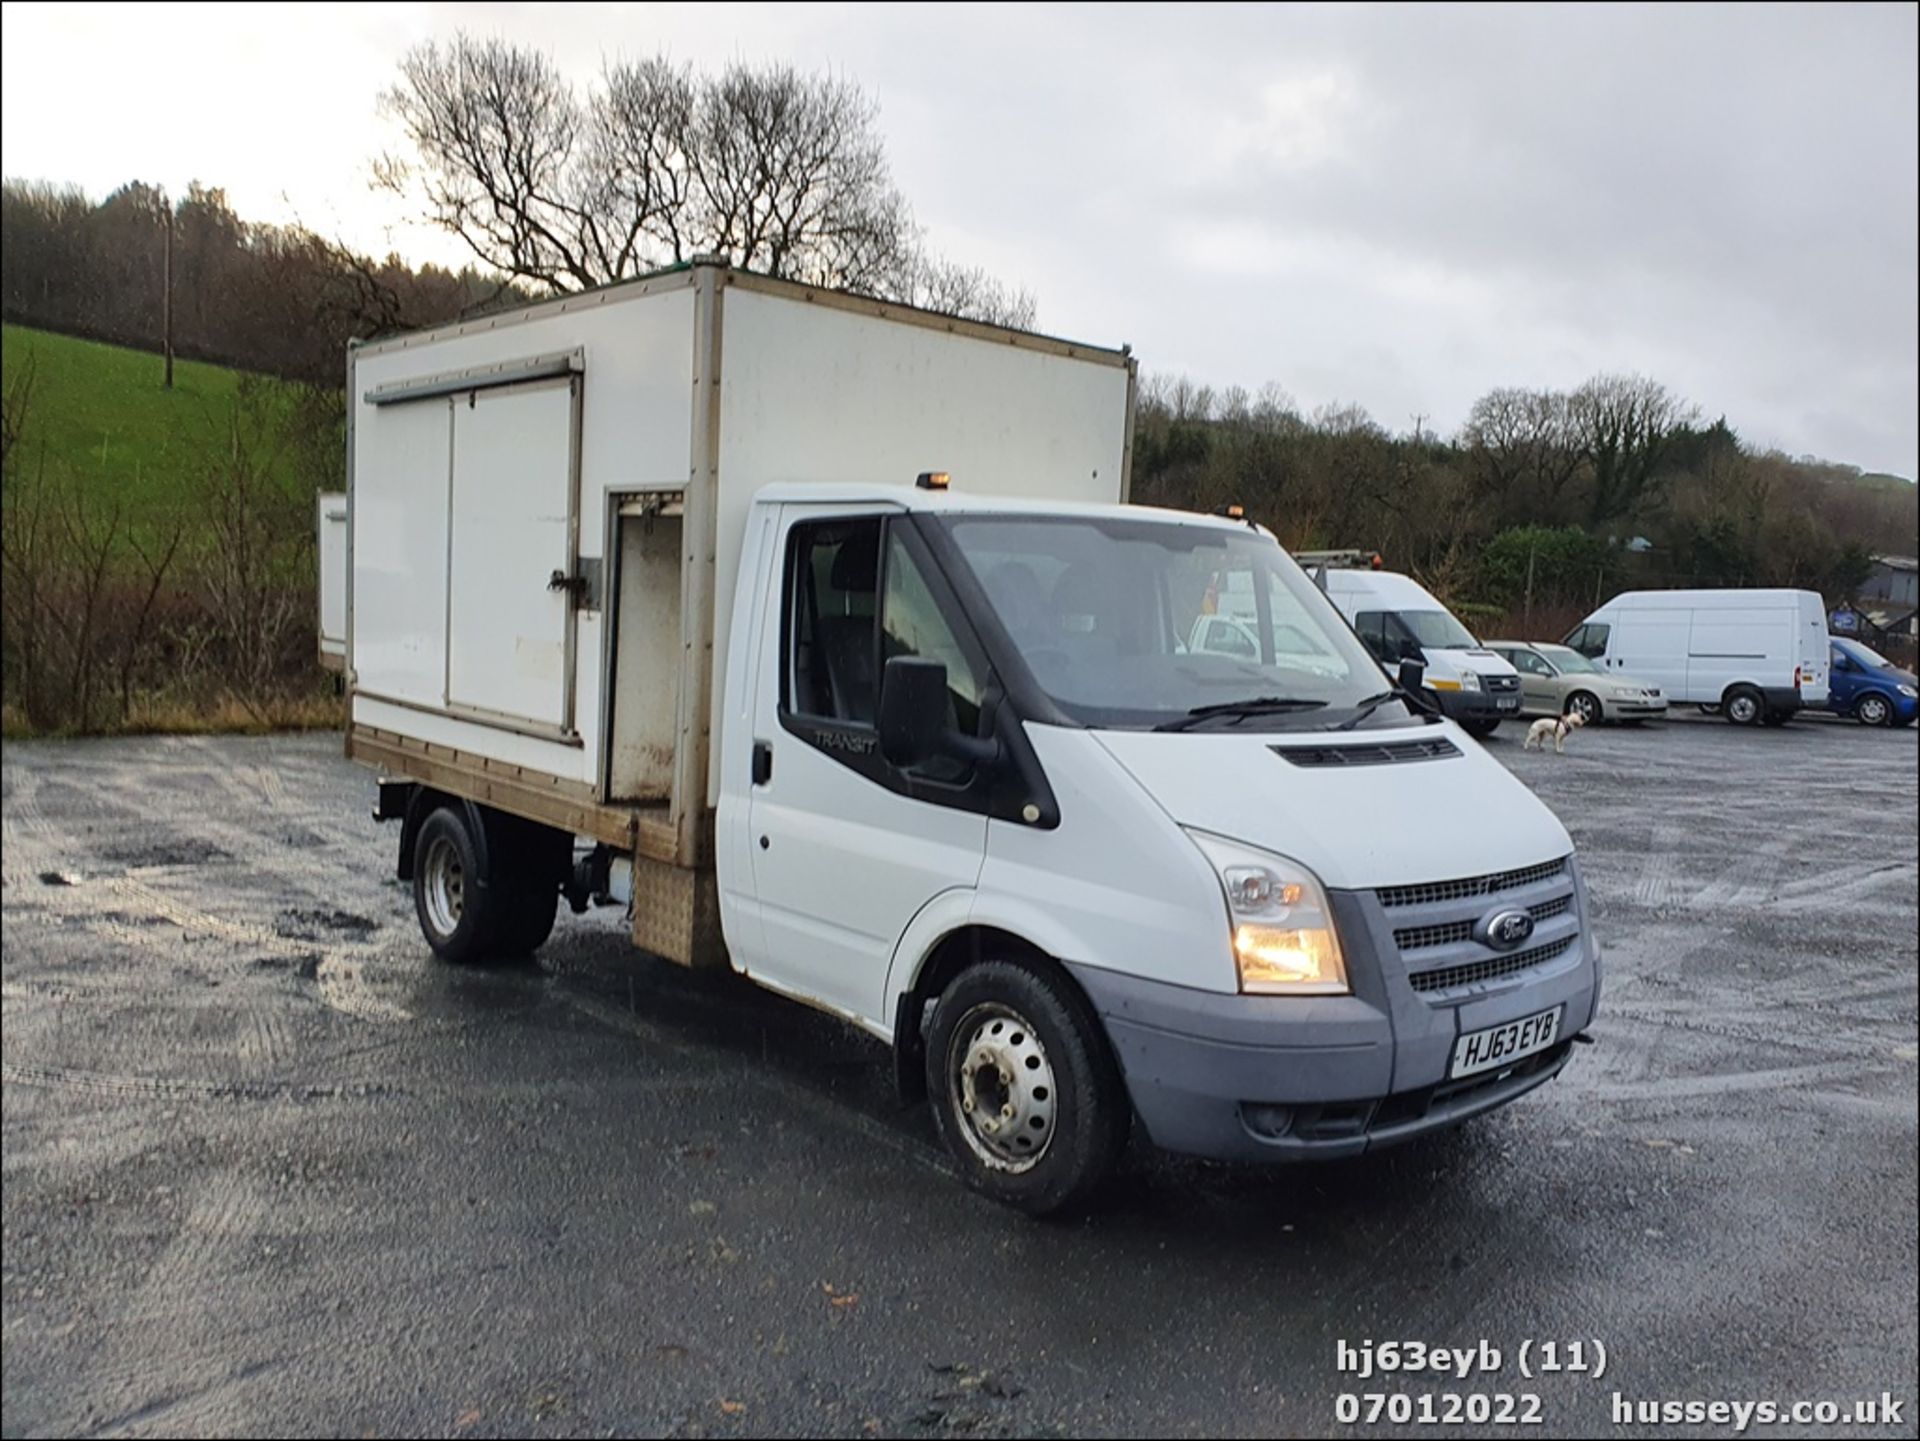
(1289, 1078)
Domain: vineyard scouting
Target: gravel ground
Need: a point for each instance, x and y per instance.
(269, 1169)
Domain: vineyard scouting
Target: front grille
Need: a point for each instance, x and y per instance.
(1419, 938)
(1382, 754)
(1501, 682)
(1445, 978)
(1425, 895)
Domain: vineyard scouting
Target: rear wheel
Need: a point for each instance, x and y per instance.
(461, 916)
(1025, 1093)
(1873, 710)
(1586, 705)
(1745, 706)
(529, 922)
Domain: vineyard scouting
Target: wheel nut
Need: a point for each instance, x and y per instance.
(1006, 1076)
(1007, 1111)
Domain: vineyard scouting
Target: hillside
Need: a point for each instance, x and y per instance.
(100, 414)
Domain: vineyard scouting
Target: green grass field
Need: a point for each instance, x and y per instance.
(100, 415)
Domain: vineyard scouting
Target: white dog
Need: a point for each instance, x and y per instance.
(1558, 728)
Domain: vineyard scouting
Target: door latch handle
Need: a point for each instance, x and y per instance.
(762, 762)
(573, 585)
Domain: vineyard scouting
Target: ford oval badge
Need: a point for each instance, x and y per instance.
(1506, 929)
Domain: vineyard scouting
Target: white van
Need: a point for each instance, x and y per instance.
(1399, 619)
(948, 762)
(1760, 655)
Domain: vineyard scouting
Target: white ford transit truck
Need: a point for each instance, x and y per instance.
(654, 598)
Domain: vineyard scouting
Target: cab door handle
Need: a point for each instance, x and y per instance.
(762, 762)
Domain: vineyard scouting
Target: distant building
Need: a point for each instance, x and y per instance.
(1895, 583)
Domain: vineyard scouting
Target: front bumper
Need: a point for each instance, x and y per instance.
(1294, 1078)
(1478, 705)
(1635, 707)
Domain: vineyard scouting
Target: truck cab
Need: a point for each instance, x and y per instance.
(983, 796)
(1398, 619)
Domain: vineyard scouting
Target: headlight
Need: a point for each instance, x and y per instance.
(1284, 942)
(1469, 681)
(1909, 692)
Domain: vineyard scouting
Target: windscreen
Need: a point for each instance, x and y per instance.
(1128, 622)
(1568, 660)
(1864, 655)
(1437, 630)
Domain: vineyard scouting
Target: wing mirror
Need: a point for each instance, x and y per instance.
(1413, 680)
(913, 716)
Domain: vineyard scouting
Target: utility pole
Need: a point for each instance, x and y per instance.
(1532, 551)
(166, 293)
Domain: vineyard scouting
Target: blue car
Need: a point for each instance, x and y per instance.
(1867, 686)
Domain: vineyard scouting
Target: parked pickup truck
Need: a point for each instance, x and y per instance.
(654, 598)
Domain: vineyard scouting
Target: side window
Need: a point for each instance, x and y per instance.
(1372, 626)
(1226, 638)
(1590, 640)
(912, 625)
(1527, 661)
(833, 572)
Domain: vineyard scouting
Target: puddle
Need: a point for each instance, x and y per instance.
(172, 851)
(313, 925)
(344, 985)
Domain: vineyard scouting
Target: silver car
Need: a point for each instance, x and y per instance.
(1558, 680)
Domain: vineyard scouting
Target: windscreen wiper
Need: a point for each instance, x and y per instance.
(1240, 709)
(1373, 703)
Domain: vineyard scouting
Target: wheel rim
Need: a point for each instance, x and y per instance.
(1743, 708)
(1873, 711)
(1586, 707)
(1000, 1088)
(444, 884)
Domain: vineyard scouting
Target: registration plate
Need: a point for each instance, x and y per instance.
(1509, 702)
(1500, 1045)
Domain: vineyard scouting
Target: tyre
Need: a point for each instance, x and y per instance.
(1873, 710)
(463, 918)
(1586, 705)
(1026, 1095)
(1745, 706)
(1708, 709)
(1480, 729)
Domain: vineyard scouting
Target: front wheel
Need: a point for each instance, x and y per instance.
(1025, 1093)
(1480, 729)
(1586, 705)
(1745, 706)
(1873, 710)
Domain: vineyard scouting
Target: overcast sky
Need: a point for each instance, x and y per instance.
(1399, 208)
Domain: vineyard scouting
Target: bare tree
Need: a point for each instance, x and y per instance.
(1522, 449)
(777, 170)
(18, 401)
(255, 536)
(1624, 425)
(966, 290)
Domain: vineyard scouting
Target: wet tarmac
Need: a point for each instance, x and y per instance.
(270, 1169)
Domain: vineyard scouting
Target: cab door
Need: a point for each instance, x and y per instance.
(845, 847)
